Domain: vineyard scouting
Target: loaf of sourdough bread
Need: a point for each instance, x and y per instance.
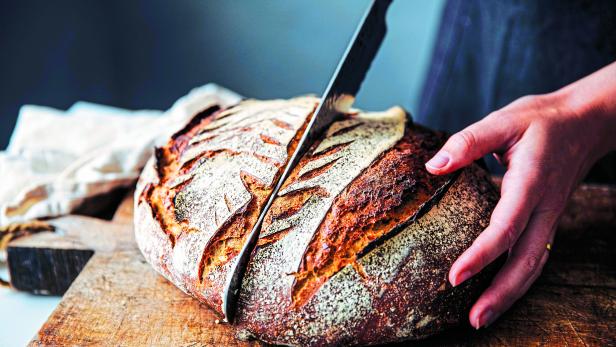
(357, 245)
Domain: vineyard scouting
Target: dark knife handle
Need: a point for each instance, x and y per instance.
(362, 52)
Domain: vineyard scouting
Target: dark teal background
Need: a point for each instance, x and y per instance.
(147, 53)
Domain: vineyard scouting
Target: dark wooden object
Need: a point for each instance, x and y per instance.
(118, 300)
(48, 262)
(46, 270)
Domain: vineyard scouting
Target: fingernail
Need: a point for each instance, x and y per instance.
(485, 319)
(438, 161)
(462, 277)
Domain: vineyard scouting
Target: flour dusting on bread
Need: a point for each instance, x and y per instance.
(355, 248)
(213, 171)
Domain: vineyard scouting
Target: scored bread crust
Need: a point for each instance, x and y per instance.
(357, 245)
(349, 256)
(202, 192)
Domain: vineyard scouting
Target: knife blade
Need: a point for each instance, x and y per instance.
(338, 97)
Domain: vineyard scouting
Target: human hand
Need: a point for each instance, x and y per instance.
(547, 143)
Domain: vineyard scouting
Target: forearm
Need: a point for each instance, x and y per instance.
(593, 98)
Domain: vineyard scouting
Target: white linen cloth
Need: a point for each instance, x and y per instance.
(56, 159)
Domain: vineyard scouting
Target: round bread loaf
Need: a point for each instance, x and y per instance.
(357, 245)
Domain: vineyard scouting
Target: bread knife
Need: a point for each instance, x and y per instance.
(338, 97)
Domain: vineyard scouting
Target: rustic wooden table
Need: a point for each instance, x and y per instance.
(117, 299)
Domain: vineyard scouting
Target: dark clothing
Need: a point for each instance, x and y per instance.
(489, 53)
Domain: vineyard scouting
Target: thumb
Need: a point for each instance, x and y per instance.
(486, 136)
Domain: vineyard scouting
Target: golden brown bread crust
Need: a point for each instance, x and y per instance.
(357, 245)
(384, 197)
(202, 193)
(375, 269)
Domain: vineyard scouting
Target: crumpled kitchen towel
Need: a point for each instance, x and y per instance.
(56, 159)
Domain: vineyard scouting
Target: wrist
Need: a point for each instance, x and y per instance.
(594, 104)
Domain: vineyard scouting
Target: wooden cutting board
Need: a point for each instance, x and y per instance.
(117, 299)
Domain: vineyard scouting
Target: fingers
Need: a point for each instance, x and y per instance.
(520, 193)
(488, 135)
(522, 268)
